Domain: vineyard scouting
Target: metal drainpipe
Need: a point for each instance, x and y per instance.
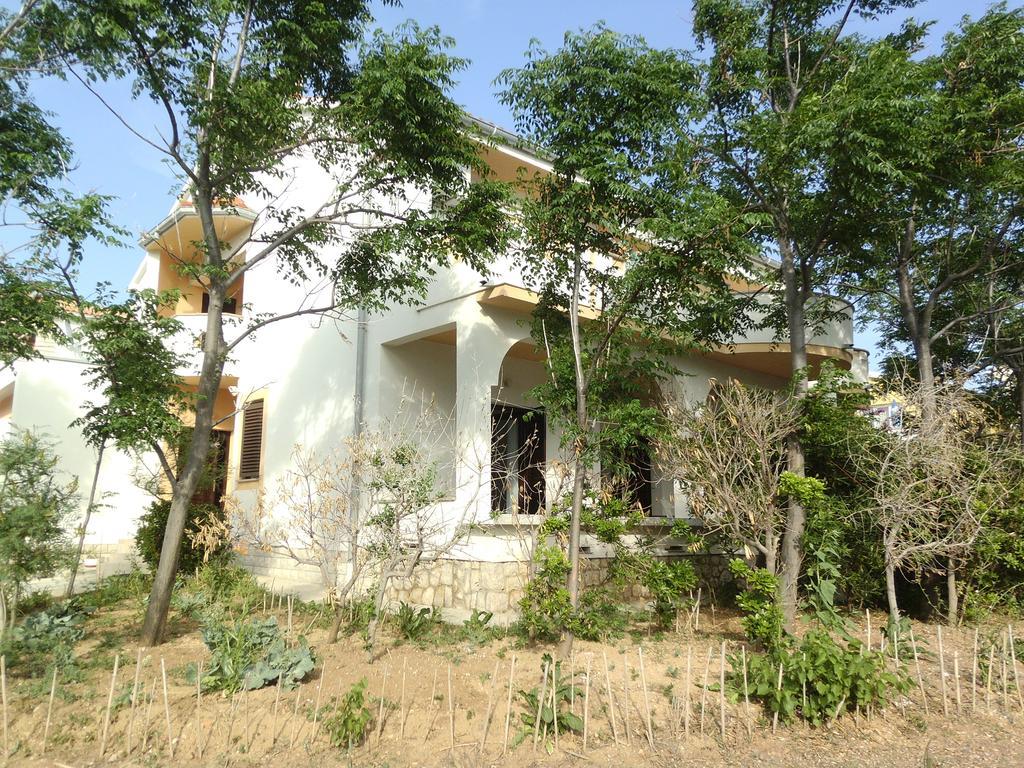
(355, 494)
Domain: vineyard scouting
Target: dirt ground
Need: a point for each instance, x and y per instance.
(985, 729)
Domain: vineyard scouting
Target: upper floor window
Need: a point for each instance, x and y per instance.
(251, 455)
(230, 304)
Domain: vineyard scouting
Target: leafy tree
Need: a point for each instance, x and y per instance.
(35, 505)
(627, 256)
(772, 80)
(252, 88)
(935, 148)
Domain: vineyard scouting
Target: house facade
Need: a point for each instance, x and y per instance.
(311, 382)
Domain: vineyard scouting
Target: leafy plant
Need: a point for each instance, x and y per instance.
(544, 610)
(563, 687)
(45, 640)
(475, 629)
(759, 602)
(250, 654)
(414, 624)
(149, 536)
(350, 718)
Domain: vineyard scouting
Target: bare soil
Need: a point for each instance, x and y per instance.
(985, 729)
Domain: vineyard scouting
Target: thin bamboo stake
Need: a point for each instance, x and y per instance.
(3, 697)
(231, 721)
(167, 710)
(867, 629)
(290, 602)
(572, 682)
(1002, 673)
(135, 693)
(451, 710)
(974, 674)
(49, 710)
(689, 684)
(554, 704)
(199, 709)
(920, 677)
(540, 706)
(988, 678)
(956, 677)
(433, 706)
(746, 692)
(611, 698)
(149, 711)
(942, 674)
(704, 689)
(380, 710)
(490, 703)
(295, 723)
(1016, 674)
(647, 701)
(721, 689)
(508, 705)
(586, 704)
(778, 688)
(273, 718)
(401, 730)
(625, 699)
(316, 705)
(696, 624)
(110, 703)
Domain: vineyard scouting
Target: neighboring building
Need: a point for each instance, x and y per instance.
(466, 346)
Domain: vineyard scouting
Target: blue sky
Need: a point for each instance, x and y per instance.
(492, 35)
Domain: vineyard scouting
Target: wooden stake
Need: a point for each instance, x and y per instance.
(625, 699)
(988, 678)
(3, 700)
(647, 701)
(572, 682)
(554, 704)
(1016, 675)
(867, 629)
(110, 703)
(942, 674)
(401, 729)
(704, 689)
(689, 685)
(295, 715)
(611, 698)
(49, 710)
(956, 678)
(1002, 672)
(696, 623)
(316, 705)
(380, 710)
(490, 703)
(167, 710)
(746, 692)
(920, 677)
(974, 674)
(451, 710)
(586, 704)
(199, 709)
(149, 711)
(778, 688)
(273, 718)
(433, 706)
(721, 689)
(135, 693)
(540, 707)
(508, 705)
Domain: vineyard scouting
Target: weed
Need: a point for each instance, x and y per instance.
(350, 717)
(413, 624)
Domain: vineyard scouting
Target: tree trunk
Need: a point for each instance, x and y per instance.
(1018, 374)
(890, 594)
(214, 351)
(85, 524)
(952, 595)
(791, 553)
(925, 371)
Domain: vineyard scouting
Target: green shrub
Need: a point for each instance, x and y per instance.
(759, 602)
(670, 583)
(563, 686)
(349, 721)
(149, 537)
(475, 629)
(821, 679)
(544, 611)
(413, 623)
(45, 640)
(251, 654)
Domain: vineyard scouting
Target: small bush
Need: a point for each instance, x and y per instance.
(415, 624)
(349, 722)
(45, 640)
(563, 690)
(763, 619)
(475, 629)
(149, 537)
(251, 654)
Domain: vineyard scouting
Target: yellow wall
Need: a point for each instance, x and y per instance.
(191, 299)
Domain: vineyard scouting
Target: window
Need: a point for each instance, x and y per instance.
(252, 441)
(518, 449)
(230, 304)
(634, 484)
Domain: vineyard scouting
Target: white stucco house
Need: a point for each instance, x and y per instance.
(312, 383)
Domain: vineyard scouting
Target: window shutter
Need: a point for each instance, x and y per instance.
(252, 440)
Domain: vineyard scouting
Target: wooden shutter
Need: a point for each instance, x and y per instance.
(252, 440)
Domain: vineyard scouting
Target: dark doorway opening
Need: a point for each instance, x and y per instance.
(518, 450)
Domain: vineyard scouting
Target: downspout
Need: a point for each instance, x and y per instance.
(358, 398)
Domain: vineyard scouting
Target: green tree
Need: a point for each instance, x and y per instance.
(628, 256)
(35, 506)
(771, 78)
(250, 88)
